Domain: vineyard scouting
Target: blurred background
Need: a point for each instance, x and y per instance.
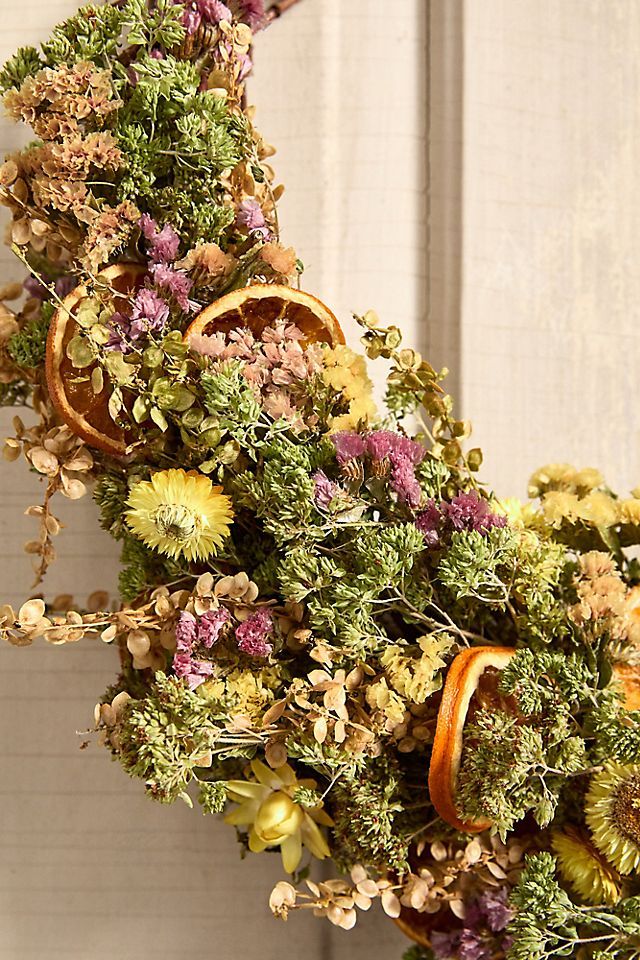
(469, 169)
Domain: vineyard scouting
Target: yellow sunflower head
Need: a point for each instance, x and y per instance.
(613, 814)
(584, 867)
(180, 514)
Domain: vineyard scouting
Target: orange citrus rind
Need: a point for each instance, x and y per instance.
(83, 410)
(460, 686)
(263, 304)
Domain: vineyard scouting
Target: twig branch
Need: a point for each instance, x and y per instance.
(276, 10)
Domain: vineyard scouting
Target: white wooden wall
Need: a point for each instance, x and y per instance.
(550, 275)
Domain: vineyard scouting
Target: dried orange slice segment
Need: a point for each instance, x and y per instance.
(471, 682)
(628, 677)
(83, 410)
(260, 306)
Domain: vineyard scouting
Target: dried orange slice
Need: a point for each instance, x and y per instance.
(629, 679)
(260, 306)
(471, 682)
(85, 411)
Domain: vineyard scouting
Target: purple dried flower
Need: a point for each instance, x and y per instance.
(157, 53)
(35, 289)
(189, 631)
(148, 226)
(191, 18)
(163, 248)
(471, 947)
(403, 481)
(64, 285)
(444, 944)
(194, 672)
(496, 910)
(186, 631)
(175, 282)
(245, 66)
(210, 625)
(252, 12)
(324, 490)
(428, 522)
(251, 218)
(251, 635)
(385, 444)
(150, 312)
(214, 11)
(120, 334)
(470, 511)
(348, 446)
(163, 245)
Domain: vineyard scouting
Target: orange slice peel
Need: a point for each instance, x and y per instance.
(83, 410)
(628, 679)
(463, 680)
(263, 304)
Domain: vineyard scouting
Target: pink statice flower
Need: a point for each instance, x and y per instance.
(162, 244)
(495, 908)
(252, 634)
(192, 632)
(185, 664)
(479, 938)
(349, 446)
(250, 218)
(324, 490)
(121, 338)
(186, 631)
(275, 364)
(214, 11)
(388, 445)
(403, 480)
(150, 313)
(163, 248)
(208, 346)
(210, 626)
(193, 671)
(176, 283)
(191, 18)
(252, 12)
(403, 454)
(429, 521)
(385, 446)
(470, 511)
(148, 226)
(278, 404)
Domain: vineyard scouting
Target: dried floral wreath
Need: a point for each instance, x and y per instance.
(322, 609)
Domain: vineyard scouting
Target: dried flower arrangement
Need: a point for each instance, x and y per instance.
(321, 607)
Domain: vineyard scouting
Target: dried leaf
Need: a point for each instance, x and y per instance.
(390, 904)
(320, 730)
(31, 612)
(274, 713)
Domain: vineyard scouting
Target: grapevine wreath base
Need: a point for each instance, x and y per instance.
(330, 631)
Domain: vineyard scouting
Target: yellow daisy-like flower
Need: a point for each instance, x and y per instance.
(274, 818)
(598, 508)
(558, 506)
(582, 866)
(180, 514)
(346, 371)
(612, 810)
(524, 516)
(629, 511)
